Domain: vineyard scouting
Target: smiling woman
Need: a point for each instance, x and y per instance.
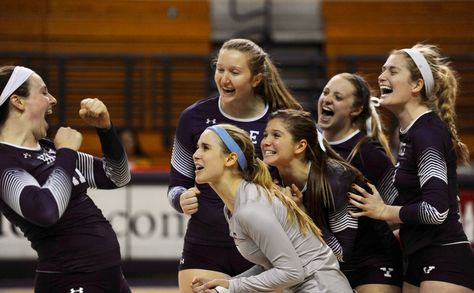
(318, 179)
(43, 187)
(420, 88)
(249, 88)
(286, 247)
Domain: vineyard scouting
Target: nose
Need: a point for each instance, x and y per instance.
(52, 100)
(195, 155)
(325, 99)
(381, 76)
(225, 77)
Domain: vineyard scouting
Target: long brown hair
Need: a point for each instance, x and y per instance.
(319, 197)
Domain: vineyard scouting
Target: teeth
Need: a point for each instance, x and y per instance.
(198, 166)
(269, 152)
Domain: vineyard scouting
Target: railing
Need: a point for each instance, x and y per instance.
(149, 92)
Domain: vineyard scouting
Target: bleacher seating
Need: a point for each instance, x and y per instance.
(113, 50)
(361, 27)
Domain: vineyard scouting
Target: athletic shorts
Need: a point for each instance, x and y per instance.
(448, 263)
(104, 281)
(391, 274)
(226, 260)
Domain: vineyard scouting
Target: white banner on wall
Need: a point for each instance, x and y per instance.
(146, 225)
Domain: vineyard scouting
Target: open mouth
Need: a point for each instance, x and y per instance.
(385, 90)
(327, 111)
(199, 167)
(228, 90)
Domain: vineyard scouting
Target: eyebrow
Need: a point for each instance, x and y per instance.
(389, 67)
(232, 66)
(335, 92)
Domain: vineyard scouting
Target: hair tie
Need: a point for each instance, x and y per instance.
(230, 144)
(373, 103)
(321, 140)
(19, 75)
(424, 69)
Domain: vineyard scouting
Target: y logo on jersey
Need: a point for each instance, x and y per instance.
(387, 271)
(209, 121)
(428, 269)
(80, 290)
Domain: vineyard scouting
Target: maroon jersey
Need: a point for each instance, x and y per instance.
(43, 191)
(374, 243)
(426, 181)
(208, 226)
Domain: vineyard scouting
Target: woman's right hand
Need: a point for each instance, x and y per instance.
(189, 201)
(295, 194)
(66, 137)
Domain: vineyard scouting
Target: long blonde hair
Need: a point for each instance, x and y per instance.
(257, 172)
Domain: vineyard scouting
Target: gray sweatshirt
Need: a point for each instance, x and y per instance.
(284, 257)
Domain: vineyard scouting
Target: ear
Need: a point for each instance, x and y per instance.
(301, 146)
(18, 102)
(417, 86)
(256, 80)
(356, 110)
(230, 160)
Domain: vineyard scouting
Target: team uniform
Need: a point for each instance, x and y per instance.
(284, 256)
(207, 227)
(434, 244)
(43, 191)
(373, 254)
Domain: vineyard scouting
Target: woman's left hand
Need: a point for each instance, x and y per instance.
(371, 205)
(95, 113)
(205, 285)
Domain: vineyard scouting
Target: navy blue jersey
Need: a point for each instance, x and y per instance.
(43, 191)
(427, 186)
(374, 242)
(341, 229)
(208, 226)
(371, 159)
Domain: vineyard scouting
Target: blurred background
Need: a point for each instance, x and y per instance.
(150, 59)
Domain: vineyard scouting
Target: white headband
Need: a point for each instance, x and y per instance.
(424, 69)
(19, 76)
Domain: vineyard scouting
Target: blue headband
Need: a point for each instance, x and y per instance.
(231, 145)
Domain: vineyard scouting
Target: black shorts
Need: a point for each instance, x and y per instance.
(448, 263)
(104, 281)
(226, 260)
(391, 274)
